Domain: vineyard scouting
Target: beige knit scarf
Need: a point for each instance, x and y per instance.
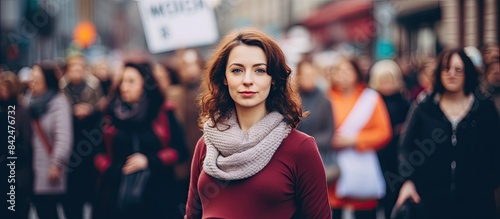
(233, 154)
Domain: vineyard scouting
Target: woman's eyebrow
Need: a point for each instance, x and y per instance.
(241, 65)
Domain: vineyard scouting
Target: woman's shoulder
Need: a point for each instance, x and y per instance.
(485, 106)
(200, 148)
(298, 140)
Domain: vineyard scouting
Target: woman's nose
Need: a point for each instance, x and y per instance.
(247, 78)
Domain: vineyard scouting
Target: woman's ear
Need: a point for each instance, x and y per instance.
(225, 81)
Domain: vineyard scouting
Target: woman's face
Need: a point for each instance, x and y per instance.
(306, 77)
(344, 76)
(38, 84)
(132, 85)
(387, 85)
(453, 78)
(246, 77)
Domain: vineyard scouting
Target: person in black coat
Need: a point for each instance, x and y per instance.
(135, 145)
(450, 157)
(387, 79)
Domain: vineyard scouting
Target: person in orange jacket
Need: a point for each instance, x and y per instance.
(346, 89)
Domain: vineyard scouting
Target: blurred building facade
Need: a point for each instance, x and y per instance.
(33, 30)
(271, 16)
(411, 28)
(425, 27)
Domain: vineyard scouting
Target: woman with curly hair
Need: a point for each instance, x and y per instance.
(251, 161)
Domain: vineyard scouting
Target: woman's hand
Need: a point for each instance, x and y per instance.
(55, 173)
(340, 141)
(135, 162)
(408, 191)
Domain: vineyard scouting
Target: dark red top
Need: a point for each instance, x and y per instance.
(292, 185)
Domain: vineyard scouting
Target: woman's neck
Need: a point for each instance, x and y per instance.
(454, 96)
(247, 117)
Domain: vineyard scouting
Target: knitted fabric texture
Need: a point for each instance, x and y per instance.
(233, 154)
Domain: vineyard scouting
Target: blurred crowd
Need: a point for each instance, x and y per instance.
(81, 127)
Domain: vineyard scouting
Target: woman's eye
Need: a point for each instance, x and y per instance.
(236, 71)
(261, 70)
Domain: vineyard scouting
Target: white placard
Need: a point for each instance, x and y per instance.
(173, 24)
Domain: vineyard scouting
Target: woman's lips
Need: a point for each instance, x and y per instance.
(247, 93)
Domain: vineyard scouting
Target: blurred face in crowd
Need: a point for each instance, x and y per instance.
(344, 76)
(364, 64)
(493, 74)
(161, 76)
(38, 84)
(246, 77)
(306, 77)
(77, 60)
(191, 72)
(191, 68)
(426, 77)
(75, 73)
(101, 71)
(453, 76)
(387, 84)
(132, 85)
(491, 53)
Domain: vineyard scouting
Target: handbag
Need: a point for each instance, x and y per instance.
(361, 176)
(132, 186)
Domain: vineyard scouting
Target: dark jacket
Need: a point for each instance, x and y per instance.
(319, 123)
(397, 107)
(455, 170)
(162, 142)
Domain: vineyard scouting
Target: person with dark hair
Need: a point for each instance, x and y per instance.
(362, 127)
(17, 132)
(134, 147)
(50, 112)
(251, 161)
(450, 156)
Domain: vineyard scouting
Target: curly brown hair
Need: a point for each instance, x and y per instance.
(216, 104)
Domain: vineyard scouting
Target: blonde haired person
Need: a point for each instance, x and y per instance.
(387, 79)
